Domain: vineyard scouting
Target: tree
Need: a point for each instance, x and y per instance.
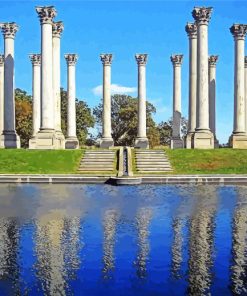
(124, 120)
(84, 119)
(23, 115)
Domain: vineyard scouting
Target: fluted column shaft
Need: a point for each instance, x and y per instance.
(106, 60)
(36, 63)
(46, 15)
(245, 90)
(239, 32)
(142, 101)
(176, 126)
(212, 89)
(202, 67)
(71, 114)
(57, 30)
(1, 92)
(141, 141)
(191, 30)
(9, 30)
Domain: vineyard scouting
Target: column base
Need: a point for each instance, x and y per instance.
(188, 140)
(177, 143)
(10, 139)
(203, 139)
(238, 141)
(45, 139)
(71, 143)
(142, 143)
(106, 142)
(61, 139)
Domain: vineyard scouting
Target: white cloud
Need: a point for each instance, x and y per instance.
(115, 89)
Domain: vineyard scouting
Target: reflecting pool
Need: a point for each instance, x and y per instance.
(105, 240)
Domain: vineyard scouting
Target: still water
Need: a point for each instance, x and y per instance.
(104, 240)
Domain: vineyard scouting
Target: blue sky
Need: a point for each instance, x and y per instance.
(125, 28)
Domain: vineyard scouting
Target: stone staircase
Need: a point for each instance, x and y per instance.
(151, 161)
(98, 160)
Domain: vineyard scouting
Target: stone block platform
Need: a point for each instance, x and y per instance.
(100, 160)
(151, 161)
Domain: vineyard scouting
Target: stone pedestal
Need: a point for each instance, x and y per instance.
(238, 138)
(203, 137)
(46, 137)
(191, 29)
(141, 140)
(9, 137)
(57, 29)
(71, 141)
(176, 141)
(106, 141)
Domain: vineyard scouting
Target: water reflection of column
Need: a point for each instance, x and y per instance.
(239, 246)
(72, 245)
(201, 241)
(110, 223)
(177, 246)
(50, 267)
(143, 220)
(9, 238)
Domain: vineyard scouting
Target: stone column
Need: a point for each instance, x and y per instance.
(212, 60)
(57, 29)
(1, 93)
(203, 137)
(106, 140)
(141, 140)
(71, 141)
(238, 138)
(176, 141)
(36, 62)
(245, 90)
(9, 137)
(191, 29)
(46, 138)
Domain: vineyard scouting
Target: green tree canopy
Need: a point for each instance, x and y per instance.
(84, 118)
(124, 120)
(23, 116)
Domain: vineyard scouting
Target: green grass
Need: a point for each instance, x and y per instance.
(218, 161)
(20, 161)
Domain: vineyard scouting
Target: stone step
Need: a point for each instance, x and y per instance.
(149, 151)
(153, 165)
(102, 161)
(152, 160)
(97, 165)
(95, 169)
(154, 170)
(99, 152)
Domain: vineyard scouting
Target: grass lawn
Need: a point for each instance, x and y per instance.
(18, 161)
(218, 161)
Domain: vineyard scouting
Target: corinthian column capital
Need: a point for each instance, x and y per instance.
(71, 59)
(106, 59)
(57, 29)
(9, 29)
(202, 15)
(191, 30)
(46, 14)
(177, 59)
(141, 58)
(1, 59)
(212, 60)
(35, 59)
(238, 31)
